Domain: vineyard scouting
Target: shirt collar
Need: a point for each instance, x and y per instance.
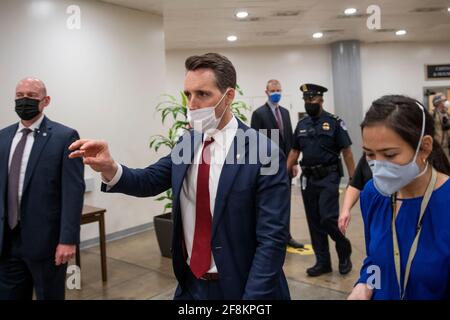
(36, 125)
(272, 105)
(227, 134)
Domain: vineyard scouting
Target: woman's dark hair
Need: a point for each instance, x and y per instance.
(403, 115)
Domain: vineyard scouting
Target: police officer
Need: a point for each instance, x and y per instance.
(321, 137)
(441, 122)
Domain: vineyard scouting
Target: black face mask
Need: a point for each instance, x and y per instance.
(312, 109)
(27, 108)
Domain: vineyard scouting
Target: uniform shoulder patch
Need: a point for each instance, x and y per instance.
(335, 117)
(343, 126)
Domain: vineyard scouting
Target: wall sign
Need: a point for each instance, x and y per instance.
(437, 71)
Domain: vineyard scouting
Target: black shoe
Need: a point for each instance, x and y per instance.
(345, 266)
(294, 244)
(318, 270)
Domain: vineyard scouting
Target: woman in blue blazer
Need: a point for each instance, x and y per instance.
(405, 207)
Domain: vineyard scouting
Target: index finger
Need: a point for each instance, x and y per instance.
(92, 144)
(77, 144)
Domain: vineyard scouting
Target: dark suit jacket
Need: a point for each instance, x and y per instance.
(263, 118)
(53, 191)
(250, 223)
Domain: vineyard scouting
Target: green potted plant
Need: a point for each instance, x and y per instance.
(176, 110)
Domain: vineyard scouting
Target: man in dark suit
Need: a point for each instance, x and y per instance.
(270, 117)
(42, 198)
(231, 204)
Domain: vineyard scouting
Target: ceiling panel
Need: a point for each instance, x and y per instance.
(206, 23)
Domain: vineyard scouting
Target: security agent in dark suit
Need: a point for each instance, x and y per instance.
(42, 198)
(230, 215)
(272, 116)
(321, 137)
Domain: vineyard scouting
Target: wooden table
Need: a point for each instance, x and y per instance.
(90, 215)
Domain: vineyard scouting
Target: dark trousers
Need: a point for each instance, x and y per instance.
(19, 275)
(321, 201)
(197, 289)
(289, 222)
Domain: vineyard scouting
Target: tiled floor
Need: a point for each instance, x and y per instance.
(136, 269)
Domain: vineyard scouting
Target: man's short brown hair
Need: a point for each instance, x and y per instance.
(274, 82)
(223, 69)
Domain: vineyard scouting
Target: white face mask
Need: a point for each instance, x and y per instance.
(447, 104)
(389, 177)
(204, 119)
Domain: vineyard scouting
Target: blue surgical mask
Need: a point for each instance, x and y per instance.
(275, 97)
(389, 177)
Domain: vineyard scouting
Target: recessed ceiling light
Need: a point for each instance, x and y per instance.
(400, 32)
(242, 14)
(350, 11)
(448, 9)
(232, 38)
(317, 35)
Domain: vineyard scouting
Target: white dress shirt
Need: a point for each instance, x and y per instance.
(273, 107)
(26, 152)
(219, 150)
(223, 140)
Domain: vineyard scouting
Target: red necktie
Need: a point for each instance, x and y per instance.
(201, 249)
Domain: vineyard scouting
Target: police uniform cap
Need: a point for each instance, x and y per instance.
(312, 90)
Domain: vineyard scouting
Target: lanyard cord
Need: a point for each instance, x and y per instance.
(413, 250)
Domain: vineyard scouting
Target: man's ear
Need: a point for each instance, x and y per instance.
(427, 146)
(46, 101)
(231, 95)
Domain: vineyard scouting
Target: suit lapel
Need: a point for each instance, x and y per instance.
(286, 121)
(229, 171)
(40, 140)
(226, 180)
(271, 116)
(5, 144)
(180, 170)
(274, 121)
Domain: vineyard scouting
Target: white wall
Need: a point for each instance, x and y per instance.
(399, 68)
(293, 66)
(387, 68)
(105, 80)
